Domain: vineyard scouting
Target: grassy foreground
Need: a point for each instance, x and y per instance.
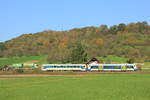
(96, 87)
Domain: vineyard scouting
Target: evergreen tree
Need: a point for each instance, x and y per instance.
(78, 54)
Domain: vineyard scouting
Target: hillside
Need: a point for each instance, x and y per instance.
(127, 40)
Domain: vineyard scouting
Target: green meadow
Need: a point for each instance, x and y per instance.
(92, 87)
(23, 59)
(43, 60)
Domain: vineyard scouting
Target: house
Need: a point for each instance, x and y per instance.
(93, 61)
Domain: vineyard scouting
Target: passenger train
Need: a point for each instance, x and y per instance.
(89, 67)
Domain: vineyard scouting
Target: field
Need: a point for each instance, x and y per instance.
(76, 87)
(113, 59)
(24, 59)
(43, 59)
(73, 85)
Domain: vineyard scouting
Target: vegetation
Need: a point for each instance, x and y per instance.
(118, 44)
(98, 87)
(78, 54)
(45, 59)
(23, 59)
(124, 40)
(112, 59)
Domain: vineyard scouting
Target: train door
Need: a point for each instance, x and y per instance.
(88, 67)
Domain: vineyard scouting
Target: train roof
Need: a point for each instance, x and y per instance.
(113, 64)
(63, 64)
(85, 64)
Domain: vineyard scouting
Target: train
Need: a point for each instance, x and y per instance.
(78, 67)
(24, 66)
(88, 67)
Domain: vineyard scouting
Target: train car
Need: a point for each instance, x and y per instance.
(24, 66)
(89, 67)
(17, 66)
(63, 67)
(112, 67)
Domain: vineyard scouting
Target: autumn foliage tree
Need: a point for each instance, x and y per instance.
(127, 40)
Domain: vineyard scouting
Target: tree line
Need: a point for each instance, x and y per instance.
(127, 40)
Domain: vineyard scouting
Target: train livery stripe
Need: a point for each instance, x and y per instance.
(90, 67)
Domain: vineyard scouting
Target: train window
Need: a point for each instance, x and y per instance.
(46, 67)
(129, 66)
(116, 67)
(107, 67)
(63, 66)
(75, 66)
(94, 67)
(68, 66)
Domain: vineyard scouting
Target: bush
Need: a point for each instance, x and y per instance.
(19, 71)
(37, 70)
(139, 67)
(130, 60)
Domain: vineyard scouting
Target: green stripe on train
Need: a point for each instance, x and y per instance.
(123, 68)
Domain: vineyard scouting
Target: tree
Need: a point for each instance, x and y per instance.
(78, 54)
(121, 27)
(121, 40)
(2, 47)
(113, 29)
(103, 28)
(130, 60)
(58, 55)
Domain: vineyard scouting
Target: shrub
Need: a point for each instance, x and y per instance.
(19, 71)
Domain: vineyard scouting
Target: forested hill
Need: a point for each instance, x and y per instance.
(128, 40)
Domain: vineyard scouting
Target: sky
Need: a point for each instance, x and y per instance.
(30, 16)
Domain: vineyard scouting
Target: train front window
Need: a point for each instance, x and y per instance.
(129, 66)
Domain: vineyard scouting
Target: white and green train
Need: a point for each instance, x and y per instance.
(24, 66)
(89, 67)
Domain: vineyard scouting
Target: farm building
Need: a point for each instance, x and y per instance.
(93, 61)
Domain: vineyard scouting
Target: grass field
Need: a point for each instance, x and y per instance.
(43, 59)
(113, 59)
(24, 59)
(93, 87)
